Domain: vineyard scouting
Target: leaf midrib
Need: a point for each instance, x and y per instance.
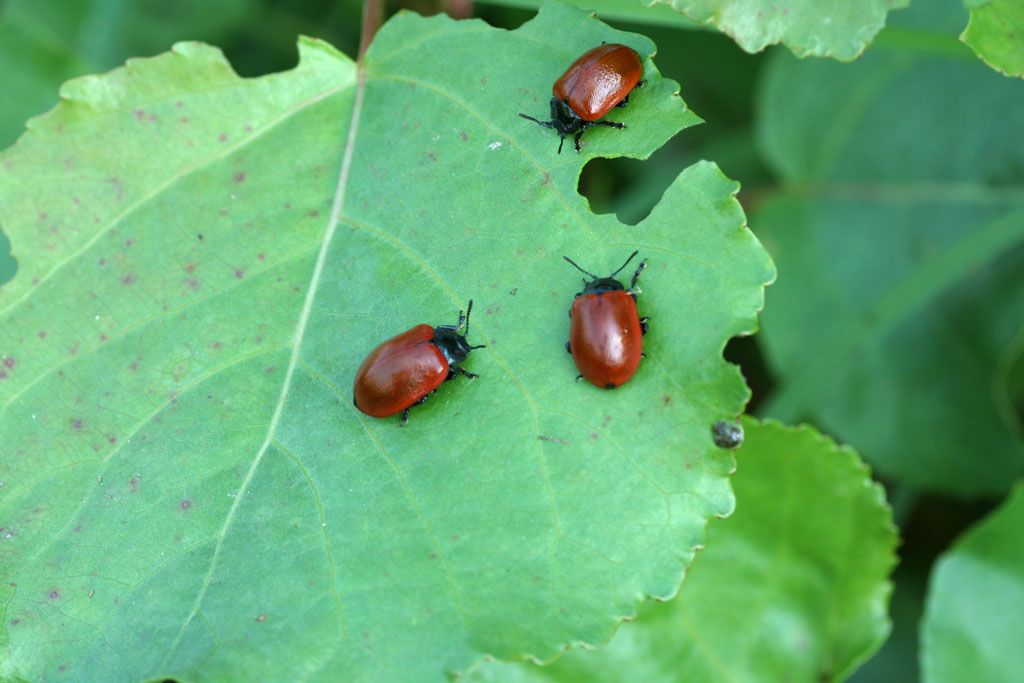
(300, 331)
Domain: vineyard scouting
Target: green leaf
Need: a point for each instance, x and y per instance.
(975, 611)
(996, 34)
(833, 28)
(900, 230)
(188, 491)
(793, 586)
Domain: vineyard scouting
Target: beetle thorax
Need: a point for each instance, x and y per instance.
(564, 119)
(602, 285)
(453, 345)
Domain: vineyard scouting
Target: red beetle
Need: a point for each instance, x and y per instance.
(405, 369)
(606, 332)
(599, 80)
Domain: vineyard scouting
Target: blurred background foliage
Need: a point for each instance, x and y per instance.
(850, 172)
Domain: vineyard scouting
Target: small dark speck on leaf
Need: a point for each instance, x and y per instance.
(270, 369)
(314, 213)
(9, 362)
(666, 399)
(513, 291)
(239, 274)
(128, 279)
(593, 435)
(77, 424)
(240, 177)
(465, 138)
(223, 137)
(261, 618)
(15, 622)
(455, 537)
(185, 504)
(200, 237)
(54, 594)
(113, 439)
(260, 257)
(42, 335)
(433, 556)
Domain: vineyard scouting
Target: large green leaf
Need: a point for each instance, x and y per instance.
(793, 586)
(900, 231)
(996, 34)
(205, 260)
(975, 615)
(830, 28)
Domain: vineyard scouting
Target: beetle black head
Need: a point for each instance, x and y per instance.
(563, 119)
(453, 345)
(600, 285)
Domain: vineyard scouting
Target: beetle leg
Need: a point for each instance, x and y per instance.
(636, 275)
(644, 325)
(624, 102)
(453, 372)
(578, 136)
(405, 413)
(639, 84)
(579, 377)
(612, 124)
(567, 347)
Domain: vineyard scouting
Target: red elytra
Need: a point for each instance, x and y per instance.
(405, 369)
(595, 83)
(599, 80)
(606, 331)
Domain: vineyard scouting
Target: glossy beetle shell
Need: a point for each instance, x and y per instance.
(599, 80)
(605, 337)
(399, 372)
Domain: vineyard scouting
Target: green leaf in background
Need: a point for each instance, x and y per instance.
(975, 614)
(793, 586)
(900, 236)
(996, 34)
(810, 28)
(34, 61)
(102, 30)
(618, 10)
(188, 491)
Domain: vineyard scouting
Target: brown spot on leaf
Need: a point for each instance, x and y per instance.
(54, 594)
(128, 279)
(77, 424)
(9, 361)
(42, 335)
(240, 177)
(223, 137)
(239, 274)
(185, 504)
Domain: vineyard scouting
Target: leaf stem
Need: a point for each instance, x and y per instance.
(373, 17)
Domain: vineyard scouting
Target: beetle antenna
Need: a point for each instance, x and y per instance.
(580, 269)
(546, 124)
(469, 309)
(626, 263)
